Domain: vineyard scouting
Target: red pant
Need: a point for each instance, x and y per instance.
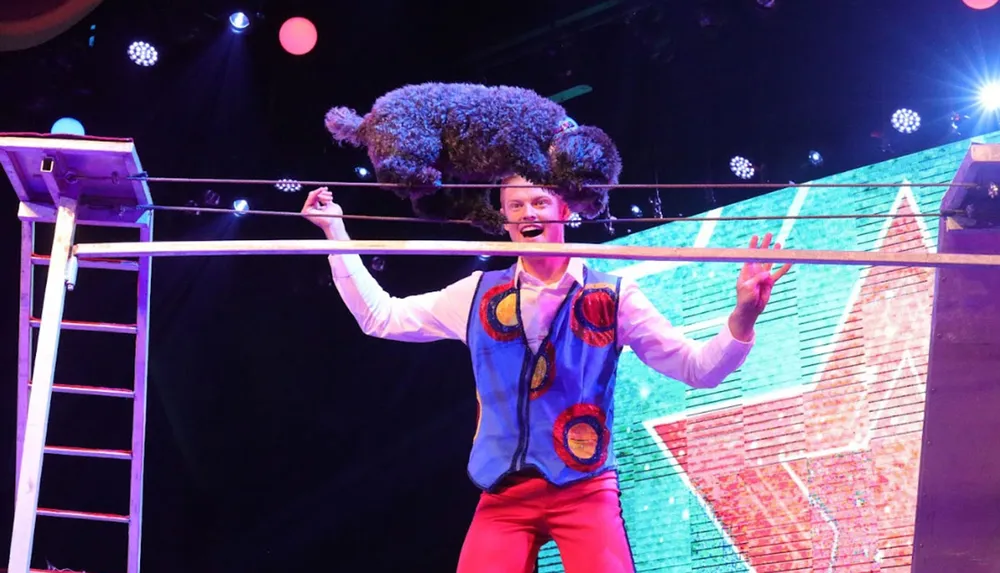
(584, 519)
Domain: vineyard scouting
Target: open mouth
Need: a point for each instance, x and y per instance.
(531, 232)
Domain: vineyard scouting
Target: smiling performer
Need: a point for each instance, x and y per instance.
(545, 336)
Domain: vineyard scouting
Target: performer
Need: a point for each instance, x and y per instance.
(545, 336)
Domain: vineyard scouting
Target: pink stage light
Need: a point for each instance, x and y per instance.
(980, 4)
(297, 36)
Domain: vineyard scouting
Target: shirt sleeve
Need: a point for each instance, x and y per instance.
(666, 349)
(437, 315)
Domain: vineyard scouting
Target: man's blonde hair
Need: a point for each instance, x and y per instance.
(506, 182)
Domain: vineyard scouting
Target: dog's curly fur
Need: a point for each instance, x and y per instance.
(423, 135)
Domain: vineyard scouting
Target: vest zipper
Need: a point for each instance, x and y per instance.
(524, 383)
(521, 453)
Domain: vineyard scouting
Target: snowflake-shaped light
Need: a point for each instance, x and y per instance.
(142, 54)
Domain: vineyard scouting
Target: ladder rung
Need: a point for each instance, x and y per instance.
(92, 326)
(92, 391)
(86, 515)
(109, 264)
(88, 452)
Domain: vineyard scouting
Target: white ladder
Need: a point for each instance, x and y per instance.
(36, 378)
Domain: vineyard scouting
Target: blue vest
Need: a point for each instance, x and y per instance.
(553, 410)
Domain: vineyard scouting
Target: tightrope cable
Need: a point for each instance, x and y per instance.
(400, 219)
(275, 182)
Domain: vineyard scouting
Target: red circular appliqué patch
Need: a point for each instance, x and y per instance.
(592, 316)
(498, 313)
(545, 371)
(581, 437)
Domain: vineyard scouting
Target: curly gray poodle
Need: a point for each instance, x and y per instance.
(420, 136)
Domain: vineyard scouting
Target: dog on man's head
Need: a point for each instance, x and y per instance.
(419, 137)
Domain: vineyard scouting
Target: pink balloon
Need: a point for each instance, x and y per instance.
(298, 36)
(980, 4)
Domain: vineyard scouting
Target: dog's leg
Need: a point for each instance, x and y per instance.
(418, 180)
(534, 168)
(529, 161)
(406, 155)
(402, 170)
(409, 161)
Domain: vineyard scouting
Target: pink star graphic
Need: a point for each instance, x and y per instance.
(824, 477)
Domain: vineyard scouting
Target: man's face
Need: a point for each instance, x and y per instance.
(525, 206)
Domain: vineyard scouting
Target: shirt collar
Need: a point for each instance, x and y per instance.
(574, 271)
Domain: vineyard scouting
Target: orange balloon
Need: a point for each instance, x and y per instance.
(298, 36)
(980, 4)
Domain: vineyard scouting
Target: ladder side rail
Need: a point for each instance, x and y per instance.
(39, 402)
(25, 336)
(139, 404)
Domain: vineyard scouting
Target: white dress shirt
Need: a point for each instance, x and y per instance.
(444, 314)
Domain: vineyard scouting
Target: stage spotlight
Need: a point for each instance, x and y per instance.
(741, 167)
(815, 158)
(241, 206)
(68, 126)
(362, 172)
(989, 96)
(636, 211)
(288, 186)
(239, 22)
(574, 220)
(142, 54)
(905, 120)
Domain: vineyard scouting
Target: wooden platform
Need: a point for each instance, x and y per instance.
(97, 169)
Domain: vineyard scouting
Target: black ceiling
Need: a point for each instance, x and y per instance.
(681, 85)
